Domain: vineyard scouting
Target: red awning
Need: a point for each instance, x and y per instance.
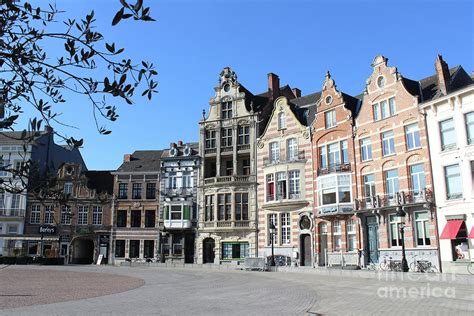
(451, 229)
(471, 234)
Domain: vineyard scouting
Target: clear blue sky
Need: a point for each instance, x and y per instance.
(298, 40)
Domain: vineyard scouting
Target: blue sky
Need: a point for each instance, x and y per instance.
(191, 42)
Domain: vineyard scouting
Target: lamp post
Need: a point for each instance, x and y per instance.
(272, 234)
(401, 213)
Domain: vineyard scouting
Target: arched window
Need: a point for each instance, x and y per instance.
(281, 120)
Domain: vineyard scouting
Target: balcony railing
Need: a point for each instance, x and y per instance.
(282, 197)
(227, 224)
(178, 191)
(210, 151)
(399, 198)
(243, 147)
(343, 167)
(12, 212)
(226, 179)
(300, 156)
(177, 223)
(227, 149)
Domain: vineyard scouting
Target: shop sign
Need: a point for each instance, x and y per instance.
(47, 230)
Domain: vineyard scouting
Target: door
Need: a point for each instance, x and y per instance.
(208, 250)
(372, 239)
(305, 241)
(323, 235)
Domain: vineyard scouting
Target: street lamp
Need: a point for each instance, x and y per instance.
(401, 213)
(272, 234)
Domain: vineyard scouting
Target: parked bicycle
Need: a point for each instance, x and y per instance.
(422, 266)
(470, 268)
(134, 260)
(392, 265)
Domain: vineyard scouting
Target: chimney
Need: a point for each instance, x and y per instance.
(172, 145)
(442, 74)
(273, 86)
(296, 92)
(127, 157)
(180, 143)
(48, 129)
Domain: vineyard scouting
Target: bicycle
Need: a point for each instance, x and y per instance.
(422, 266)
(371, 265)
(470, 268)
(392, 265)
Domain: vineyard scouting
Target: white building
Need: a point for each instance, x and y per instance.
(449, 108)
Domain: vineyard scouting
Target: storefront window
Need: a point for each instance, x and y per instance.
(235, 250)
(120, 248)
(422, 229)
(395, 238)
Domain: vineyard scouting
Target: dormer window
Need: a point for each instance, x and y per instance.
(68, 188)
(69, 170)
(281, 120)
(328, 100)
(227, 87)
(226, 110)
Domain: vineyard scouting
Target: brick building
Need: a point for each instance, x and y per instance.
(285, 191)
(135, 209)
(72, 218)
(337, 228)
(393, 169)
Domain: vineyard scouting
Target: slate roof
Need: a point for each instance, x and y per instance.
(142, 161)
(429, 85)
(14, 138)
(101, 181)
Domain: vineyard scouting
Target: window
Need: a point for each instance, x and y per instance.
(172, 181)
(469, 117)
(246, 167)
(292, 149)
(375, 109)
(97, 215)
(120, 248)
(384, 108)
(134, 249)
(82, 212)
(66, 215)
(2, 199)
(123, 191)
(151, 191)
(281, 185)
(176, 212)
(366, 149)
(422, 229)
(210, 139)
(281, 120)
(226, 137)
(412, 133)
(16, 201)
(381, 82)
(448, 134)
(336, 233)
(395, 237)
(235, 250)
(35, 214)
(333, 155)
(322, 157)
(136, 191)
(270, 187)
(209, 215)
(274, 152)
(369, 186)
(285, 228)
(391, 182)
(68, 188)
(351, 235)
(48, 215)
(224, 207)
(32, 248)
(229, 167)
(330, 118)
(334, 189)
(148, 248)
(12, 229)
(388, 143)
(453, 182)
(226, 110)
(121, 218)
(244, 135)
(187, 181)
(241, 206)
(19, 165)
(417, 175)
(273, 219)
(3, 167)
(294, 179)
(136, 218)
(344, 152)
(392, 105)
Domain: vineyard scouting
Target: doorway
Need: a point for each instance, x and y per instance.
(305, 245)
(208, 250)
(83, 251)
(372, 239)
(323, 235)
